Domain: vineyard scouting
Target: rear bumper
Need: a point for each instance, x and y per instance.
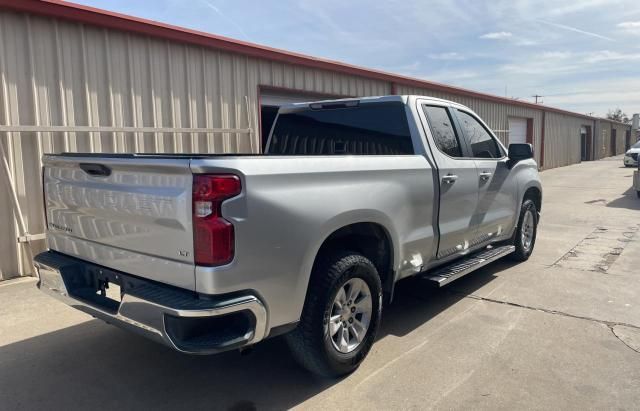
(175, 317)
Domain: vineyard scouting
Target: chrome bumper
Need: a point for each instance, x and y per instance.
(174, 317)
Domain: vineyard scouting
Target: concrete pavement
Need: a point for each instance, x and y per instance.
(561, 331)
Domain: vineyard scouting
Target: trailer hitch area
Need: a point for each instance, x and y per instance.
(103, 285)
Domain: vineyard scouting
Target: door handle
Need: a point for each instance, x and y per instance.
(485, 175)
(449, 178)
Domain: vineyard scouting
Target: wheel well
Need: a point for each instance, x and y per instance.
(534, 194)
(368, 239)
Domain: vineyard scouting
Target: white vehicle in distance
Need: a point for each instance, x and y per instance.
(631, 156)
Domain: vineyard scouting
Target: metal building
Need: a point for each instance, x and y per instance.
(74, 78)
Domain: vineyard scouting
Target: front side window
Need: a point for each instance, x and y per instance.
(481, 143)
(442, 130)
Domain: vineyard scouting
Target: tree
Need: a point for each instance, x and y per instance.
(618, 115)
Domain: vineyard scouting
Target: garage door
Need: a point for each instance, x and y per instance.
(517, 130)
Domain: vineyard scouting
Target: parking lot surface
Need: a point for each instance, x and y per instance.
(560, 331)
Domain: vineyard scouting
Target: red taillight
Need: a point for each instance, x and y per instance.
(213, 236)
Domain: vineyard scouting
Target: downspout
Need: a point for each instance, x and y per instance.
(22, 227)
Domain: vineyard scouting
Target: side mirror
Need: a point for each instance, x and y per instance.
(519, 152)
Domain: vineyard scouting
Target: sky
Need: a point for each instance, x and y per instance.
(580, 55)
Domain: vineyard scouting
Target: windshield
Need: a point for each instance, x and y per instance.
(636, 145)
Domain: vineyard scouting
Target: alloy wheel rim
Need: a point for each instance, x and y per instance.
(350, 315)
(527, 230)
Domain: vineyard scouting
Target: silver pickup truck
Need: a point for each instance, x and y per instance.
(207, 253)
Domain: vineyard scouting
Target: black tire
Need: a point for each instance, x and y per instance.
(310, 342)
(522, 252)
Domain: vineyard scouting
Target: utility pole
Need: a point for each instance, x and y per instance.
(537, 96)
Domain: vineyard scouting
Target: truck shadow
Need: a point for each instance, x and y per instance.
(93, 365)
(629, 200)
(417, 301)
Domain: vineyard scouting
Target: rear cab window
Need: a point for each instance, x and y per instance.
(336, 129)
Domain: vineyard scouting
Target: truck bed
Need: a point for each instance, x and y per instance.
(155, 155)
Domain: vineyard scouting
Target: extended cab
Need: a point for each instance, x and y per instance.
(207, 253)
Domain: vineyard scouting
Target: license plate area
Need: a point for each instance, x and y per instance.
(99, 287)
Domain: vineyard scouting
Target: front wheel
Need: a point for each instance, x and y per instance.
(340, 317)
(525, 236)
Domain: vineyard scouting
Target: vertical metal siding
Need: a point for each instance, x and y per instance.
(603, 138)
(56, 72)
(562, 143)
(621, 129)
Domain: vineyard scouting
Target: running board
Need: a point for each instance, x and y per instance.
(458, 268)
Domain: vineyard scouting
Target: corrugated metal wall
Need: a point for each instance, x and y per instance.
(55, 72)
(621, 131)
(495, 114)
(601, 139)
(562, 145)
(604, 135)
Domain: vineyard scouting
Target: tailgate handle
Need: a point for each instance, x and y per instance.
(96, 170)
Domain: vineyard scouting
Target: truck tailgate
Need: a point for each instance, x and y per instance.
(127, 213)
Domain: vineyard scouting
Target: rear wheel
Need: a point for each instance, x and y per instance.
(524, 238)
(341, 315)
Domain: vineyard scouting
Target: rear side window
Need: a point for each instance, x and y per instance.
(365, 129)
(481, 143)
(442, 130)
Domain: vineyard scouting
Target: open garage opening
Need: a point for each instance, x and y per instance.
(586, 143)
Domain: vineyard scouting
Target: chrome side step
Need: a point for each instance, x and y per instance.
(458, 268)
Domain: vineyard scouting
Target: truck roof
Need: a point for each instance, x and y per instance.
(362, 100)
